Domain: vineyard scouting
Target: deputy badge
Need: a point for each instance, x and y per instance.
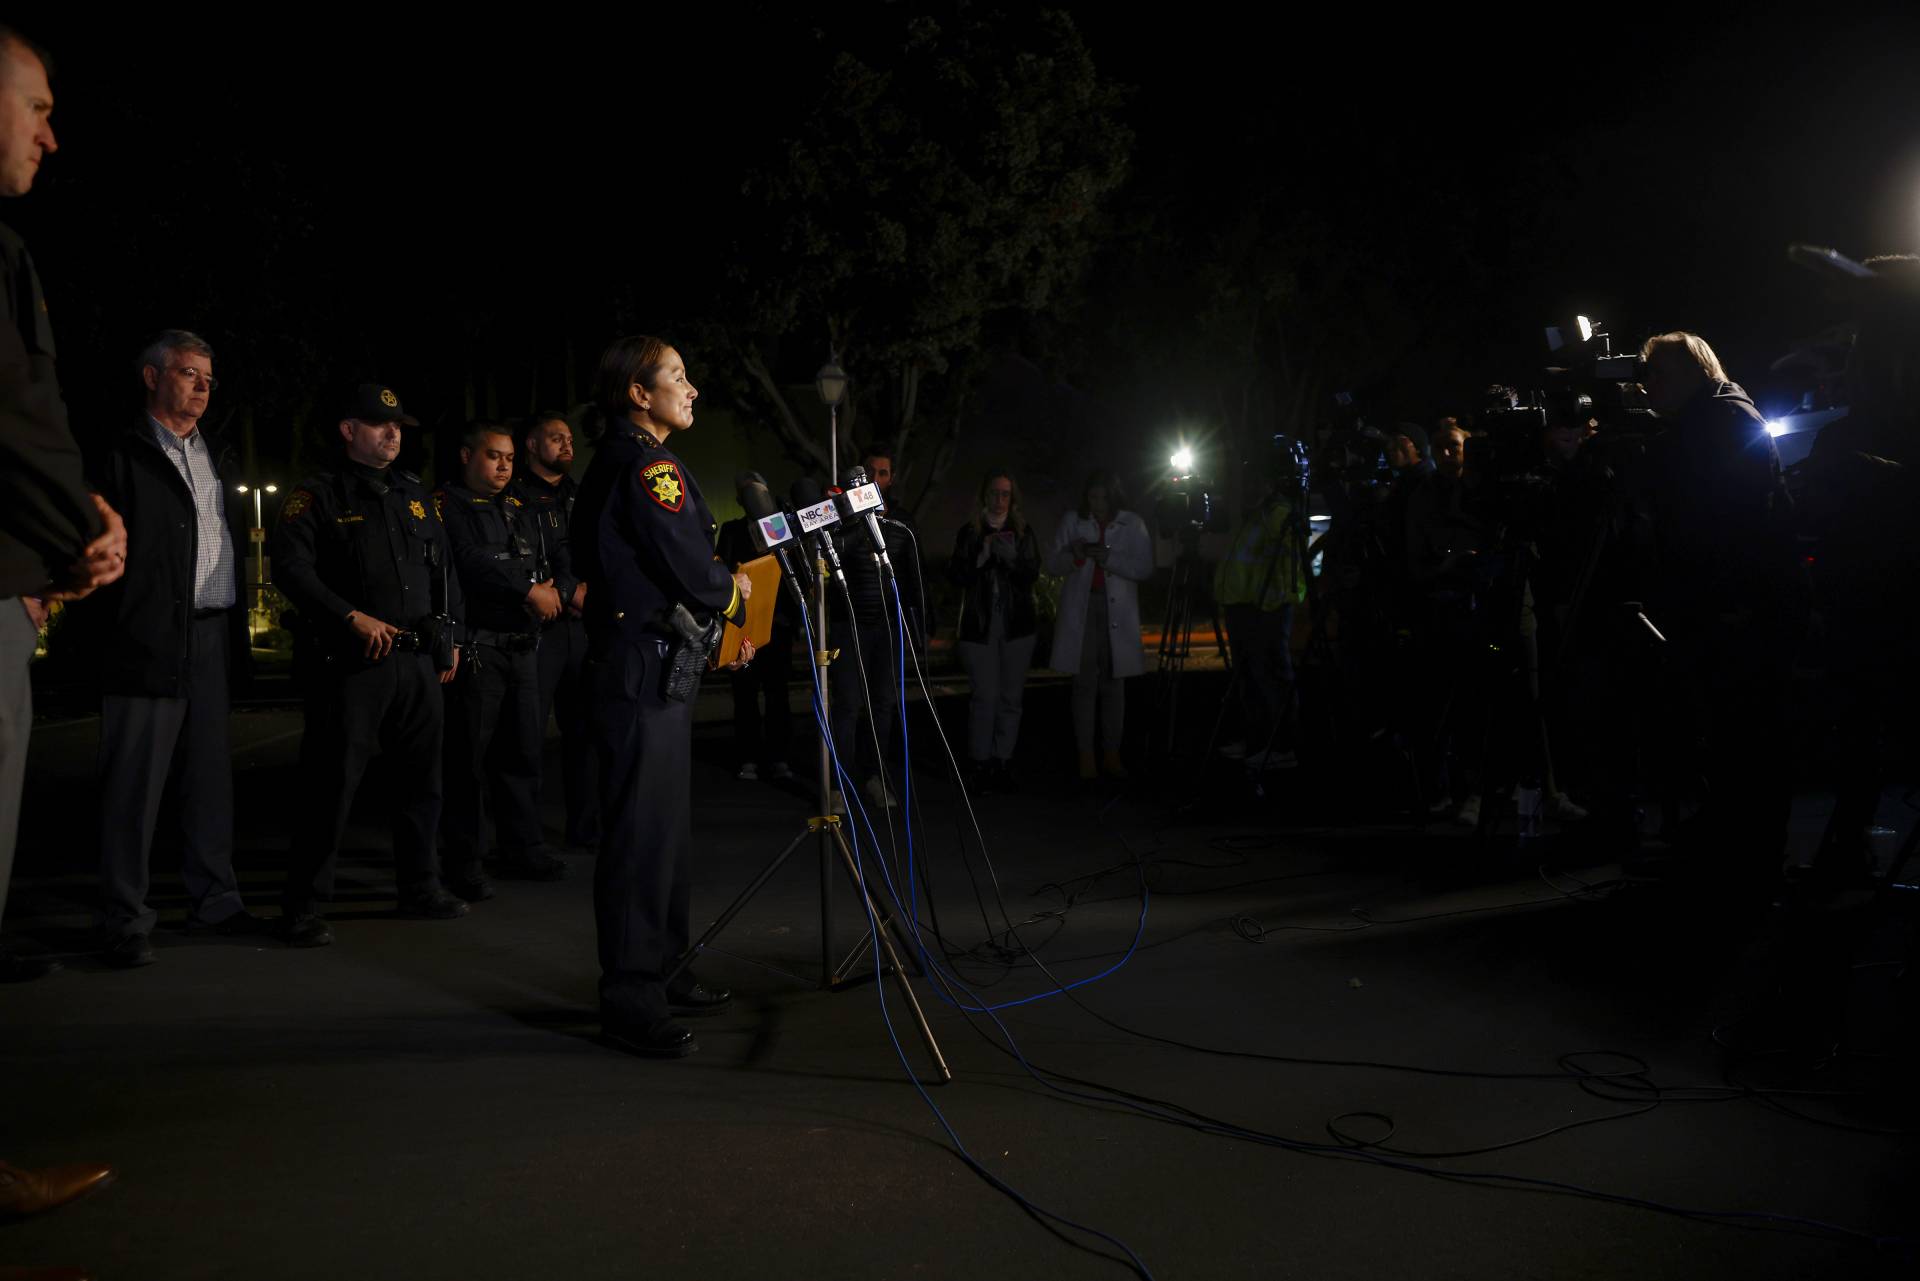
(418, 510)
(388, 399)
(663, 482)
(297, 503)
(439, 507)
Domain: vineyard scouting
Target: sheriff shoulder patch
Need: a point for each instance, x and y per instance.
(296, 505)
(663, 482)
(439, 503)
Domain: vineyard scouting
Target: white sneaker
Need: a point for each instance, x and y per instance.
(1468, 815)
(780, 771)
(877, 793)
(749, 773)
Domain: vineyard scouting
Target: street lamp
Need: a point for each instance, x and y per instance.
(256, 617)
(831, 383)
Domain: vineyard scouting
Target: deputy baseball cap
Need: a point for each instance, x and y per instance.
(375, 403)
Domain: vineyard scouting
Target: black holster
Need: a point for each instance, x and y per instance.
(694, 642)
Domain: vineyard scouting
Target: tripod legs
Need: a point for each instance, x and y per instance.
(832, 838)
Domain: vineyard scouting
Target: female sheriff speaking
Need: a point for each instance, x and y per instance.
(642, 540)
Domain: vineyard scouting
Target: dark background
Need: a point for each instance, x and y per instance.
(469, 210)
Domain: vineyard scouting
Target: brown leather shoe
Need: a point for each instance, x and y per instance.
(24, 1192)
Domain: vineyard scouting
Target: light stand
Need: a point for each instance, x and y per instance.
(257, 535)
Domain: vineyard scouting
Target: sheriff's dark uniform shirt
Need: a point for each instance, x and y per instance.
(550, 508)
(365, 539)
(642, 539)
(496, 550)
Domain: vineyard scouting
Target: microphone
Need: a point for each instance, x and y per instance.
(816, 515)
(772, 531)
(862, 502)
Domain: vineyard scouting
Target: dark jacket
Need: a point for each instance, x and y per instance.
(642, 541)
(496, 553)
(872, 601)
(136, 630)
(1722, 519)
(996, 585)
(550, 510)
(46, 517)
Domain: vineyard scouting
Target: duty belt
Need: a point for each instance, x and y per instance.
(507, 642)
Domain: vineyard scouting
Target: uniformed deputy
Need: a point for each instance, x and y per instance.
(642, 540)
(494, 728)
(361, 555)
(542, 484)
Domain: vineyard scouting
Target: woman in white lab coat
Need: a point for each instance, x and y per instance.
(1103, 552)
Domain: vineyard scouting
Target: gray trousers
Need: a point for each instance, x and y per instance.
(1095, 682)
(17, 640)
(997, 670)
(153, 747)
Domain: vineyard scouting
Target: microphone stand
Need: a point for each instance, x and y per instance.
(827, 829)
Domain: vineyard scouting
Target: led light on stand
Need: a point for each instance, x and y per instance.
(1182, 461)
(1775, 427)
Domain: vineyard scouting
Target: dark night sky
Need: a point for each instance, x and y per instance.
(386, 187)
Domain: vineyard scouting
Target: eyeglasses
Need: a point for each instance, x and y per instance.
(195, 377)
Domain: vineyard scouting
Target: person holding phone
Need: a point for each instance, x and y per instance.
(996, 561)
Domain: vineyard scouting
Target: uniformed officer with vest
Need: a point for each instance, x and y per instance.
(494, 728)
(545, 489)
(642, 540)
(364, 559)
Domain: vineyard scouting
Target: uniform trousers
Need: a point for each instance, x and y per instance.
(392, 709)
(564, 693)
(17, 642)
(641, 881)
(151, 748)
(494, 733)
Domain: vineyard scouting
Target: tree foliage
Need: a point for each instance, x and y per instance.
(948, 173)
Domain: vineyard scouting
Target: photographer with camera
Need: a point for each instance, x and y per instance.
(1258, 584)
(1722, 593)
(1445, 532)
(1863, 506)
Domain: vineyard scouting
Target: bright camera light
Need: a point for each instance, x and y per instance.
(1182, 460)
(1775, 427)
(1586, 327)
